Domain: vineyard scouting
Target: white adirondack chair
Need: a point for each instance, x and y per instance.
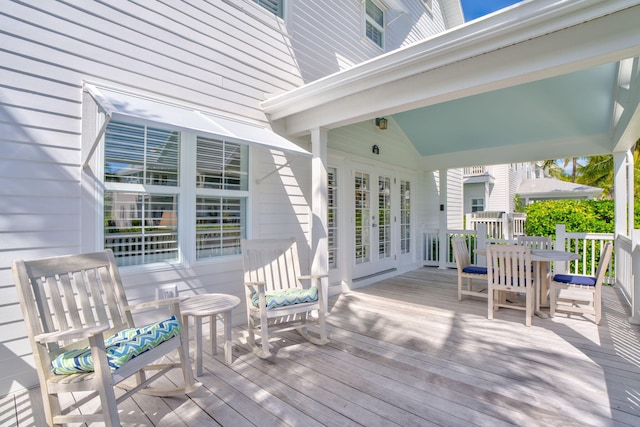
(74, 303)
(278, 297)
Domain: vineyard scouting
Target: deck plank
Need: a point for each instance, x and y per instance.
(404, 351)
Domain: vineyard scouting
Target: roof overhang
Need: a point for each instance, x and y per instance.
(531, 42)
(122, 105)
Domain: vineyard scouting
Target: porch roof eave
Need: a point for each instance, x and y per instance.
(533, 41)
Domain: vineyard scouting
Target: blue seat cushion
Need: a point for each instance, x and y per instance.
(287, 297)
(570, 279)
(475, 269)
(120, 348)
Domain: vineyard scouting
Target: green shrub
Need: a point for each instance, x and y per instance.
(593, 216)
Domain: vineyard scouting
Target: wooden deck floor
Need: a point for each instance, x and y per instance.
(405, 352)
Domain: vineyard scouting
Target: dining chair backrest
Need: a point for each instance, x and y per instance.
(461, 252)
(603, 263)
(509, 269)
(535, 242)
(509, 266)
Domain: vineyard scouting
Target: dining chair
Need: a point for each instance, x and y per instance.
(581, 293)
(466, 270)
(509, 270)
(535, 242)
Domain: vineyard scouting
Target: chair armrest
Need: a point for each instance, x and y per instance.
(71, 334)
(156, 303)
(313, 276)
(258, 286)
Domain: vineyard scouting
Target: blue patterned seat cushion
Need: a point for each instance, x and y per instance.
(475, 269)
(570, 279)
(287, 297)
(120, 348)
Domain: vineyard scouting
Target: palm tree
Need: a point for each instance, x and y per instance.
(597, 172)
(574, 167)
(552, 168)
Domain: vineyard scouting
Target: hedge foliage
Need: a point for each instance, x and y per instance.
(593, 216)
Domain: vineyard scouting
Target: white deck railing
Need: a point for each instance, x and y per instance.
(589, 247)
(474, 170)
(499, 225)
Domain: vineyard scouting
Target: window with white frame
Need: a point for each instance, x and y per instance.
(332, 217)
(274, 6)
(146, 192)
(477, 205)
(374, 23)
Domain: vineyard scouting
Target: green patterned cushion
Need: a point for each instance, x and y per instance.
(287, 297)
(120, 348)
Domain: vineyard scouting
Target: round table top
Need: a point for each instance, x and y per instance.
(542, 255)
(551, 255)
(208, 304)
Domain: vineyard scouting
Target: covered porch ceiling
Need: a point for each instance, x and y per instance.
(541, 80)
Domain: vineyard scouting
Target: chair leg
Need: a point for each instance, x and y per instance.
(264, 334)
(529, 302)
(459, 288)
(553, 297)
(597, 305)
(490, 303)
(51, 405)
(190, 384)
(105, 386)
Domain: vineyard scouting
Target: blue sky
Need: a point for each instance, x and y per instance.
(475, 8)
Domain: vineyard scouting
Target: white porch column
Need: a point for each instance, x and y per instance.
(319, 234)
(444, 244)
(623, 182)
(620, 194)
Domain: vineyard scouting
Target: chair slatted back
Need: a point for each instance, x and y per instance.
(509, 266)
(272, 261)
(536, 242)
(461, 252)
(603, 263)
(73, 291)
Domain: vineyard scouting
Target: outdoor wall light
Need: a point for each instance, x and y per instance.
(375, 149)
(381, 122)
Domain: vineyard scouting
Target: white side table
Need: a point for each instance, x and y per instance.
(199, 306)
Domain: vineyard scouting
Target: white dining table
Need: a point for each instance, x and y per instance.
(542, 258)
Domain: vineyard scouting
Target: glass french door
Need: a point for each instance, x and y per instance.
(374, 233)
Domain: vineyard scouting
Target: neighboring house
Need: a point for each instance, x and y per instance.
(167, 131)
(494, 188)
(536, 189)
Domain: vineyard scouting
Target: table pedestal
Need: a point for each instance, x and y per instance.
(209, 305)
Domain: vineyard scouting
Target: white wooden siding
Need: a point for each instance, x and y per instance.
(219, 56)
(343, 43)
(214, 56)
(455, 202)
(497, 200)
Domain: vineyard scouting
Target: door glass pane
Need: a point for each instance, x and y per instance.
(384, 217)
(405, 217)
(362, 217)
